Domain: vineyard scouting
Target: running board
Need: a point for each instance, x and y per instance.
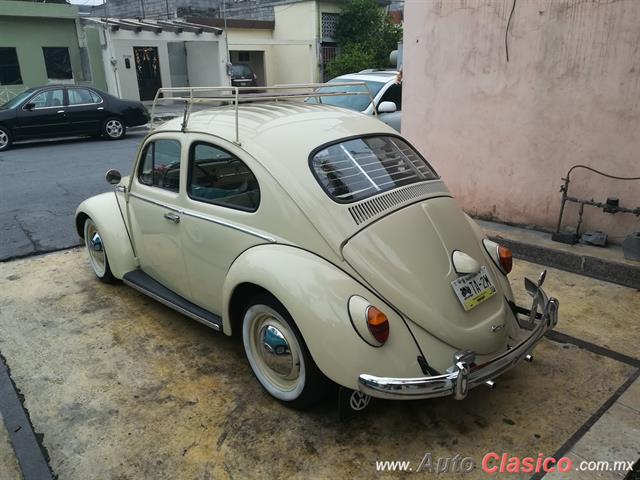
(147, 285)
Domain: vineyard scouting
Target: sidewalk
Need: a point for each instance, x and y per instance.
(613, 437)
(606, 263)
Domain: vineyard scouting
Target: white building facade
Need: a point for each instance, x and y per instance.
(141, 56)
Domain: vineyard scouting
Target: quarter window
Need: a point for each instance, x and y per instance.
(81, 96)
(218, 177)
(49, 98)
(359, 168)
(160, 165)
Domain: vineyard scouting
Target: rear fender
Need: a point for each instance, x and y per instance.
(103, 210)
(316, 294)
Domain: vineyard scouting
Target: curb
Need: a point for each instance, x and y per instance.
(609, 271)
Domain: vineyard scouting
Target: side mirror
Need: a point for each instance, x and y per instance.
(387, 107)
(113, 177)
(30, 106)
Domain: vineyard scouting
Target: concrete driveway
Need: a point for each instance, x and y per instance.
(121, 387)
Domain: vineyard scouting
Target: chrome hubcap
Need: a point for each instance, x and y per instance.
(4, 139)
(96, 242)
(273, 352)
(97, 256)
(114, 128)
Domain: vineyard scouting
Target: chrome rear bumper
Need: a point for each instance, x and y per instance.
(465, 374)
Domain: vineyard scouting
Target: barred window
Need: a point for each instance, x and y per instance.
(356, 169)
(329, 23)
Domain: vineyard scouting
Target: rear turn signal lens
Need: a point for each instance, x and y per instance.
(378, 324)
(506, 259)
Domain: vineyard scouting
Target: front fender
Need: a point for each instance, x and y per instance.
(316, 294)
(103, 210)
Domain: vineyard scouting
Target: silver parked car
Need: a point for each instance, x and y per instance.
(385, 89)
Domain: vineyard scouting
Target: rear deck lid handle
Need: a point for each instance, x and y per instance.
(464, 263)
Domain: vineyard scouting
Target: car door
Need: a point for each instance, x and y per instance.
(154, 212)
(43, 115)
(85, 111)
(221, 204)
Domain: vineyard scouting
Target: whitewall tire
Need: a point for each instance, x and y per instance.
(97, 252)
(278, 355)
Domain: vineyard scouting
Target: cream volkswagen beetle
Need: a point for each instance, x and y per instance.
(323, 239)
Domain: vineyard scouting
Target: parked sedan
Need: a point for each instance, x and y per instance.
(63, 111)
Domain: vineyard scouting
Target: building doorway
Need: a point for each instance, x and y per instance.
(253, 58)
(147, 71)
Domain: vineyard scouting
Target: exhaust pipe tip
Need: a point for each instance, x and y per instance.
(490, 384)
(529, 358)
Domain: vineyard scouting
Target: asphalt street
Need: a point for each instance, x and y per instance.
(42, 183)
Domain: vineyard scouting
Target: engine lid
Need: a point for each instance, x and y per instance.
(407, 258)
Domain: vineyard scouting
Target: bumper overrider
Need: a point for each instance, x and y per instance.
(465, 374)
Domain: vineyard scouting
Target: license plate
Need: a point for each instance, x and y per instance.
(474, 289)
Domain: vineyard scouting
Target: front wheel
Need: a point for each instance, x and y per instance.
(278, 355)
(113, 128)
(97, 253)
(5, 139)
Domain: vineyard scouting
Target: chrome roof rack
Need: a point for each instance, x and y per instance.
(218, 96)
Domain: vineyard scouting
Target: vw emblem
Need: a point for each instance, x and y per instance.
(359, 401)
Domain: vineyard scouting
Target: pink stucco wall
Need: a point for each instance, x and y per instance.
(502, 134)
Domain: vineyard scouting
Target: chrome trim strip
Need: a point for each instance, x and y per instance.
(175, 307)
(191, 213)
(153, 202)
(464, 374)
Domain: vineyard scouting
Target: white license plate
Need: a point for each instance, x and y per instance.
(474, 289)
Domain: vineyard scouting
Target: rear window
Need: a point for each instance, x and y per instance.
(241, 71)
(359, 168)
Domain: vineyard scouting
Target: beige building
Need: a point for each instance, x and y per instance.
(290, 49)
(503, 133)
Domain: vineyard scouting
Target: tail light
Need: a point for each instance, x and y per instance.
(506, 258)
(378, 324)
(500, 255)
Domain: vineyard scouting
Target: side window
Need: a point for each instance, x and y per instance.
(81, 96)
(160, 165)
(393, 94)
(49, 98)
(220, 178)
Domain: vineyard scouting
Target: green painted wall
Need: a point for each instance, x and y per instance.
(29, 27)
(92, 36)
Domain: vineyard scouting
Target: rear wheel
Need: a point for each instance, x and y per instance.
(278, 355)
(97, 253)
(113, 128)
(5, 139)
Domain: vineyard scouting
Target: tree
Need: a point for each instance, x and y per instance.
(366, 38)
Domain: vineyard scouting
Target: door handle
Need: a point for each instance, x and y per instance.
(60, 111)
(100, 108)
(172, 217)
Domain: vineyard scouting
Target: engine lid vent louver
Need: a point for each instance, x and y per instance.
(372, 207)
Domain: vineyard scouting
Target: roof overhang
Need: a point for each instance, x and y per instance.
(156, 26)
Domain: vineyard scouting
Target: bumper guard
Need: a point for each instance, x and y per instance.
(465, 374)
